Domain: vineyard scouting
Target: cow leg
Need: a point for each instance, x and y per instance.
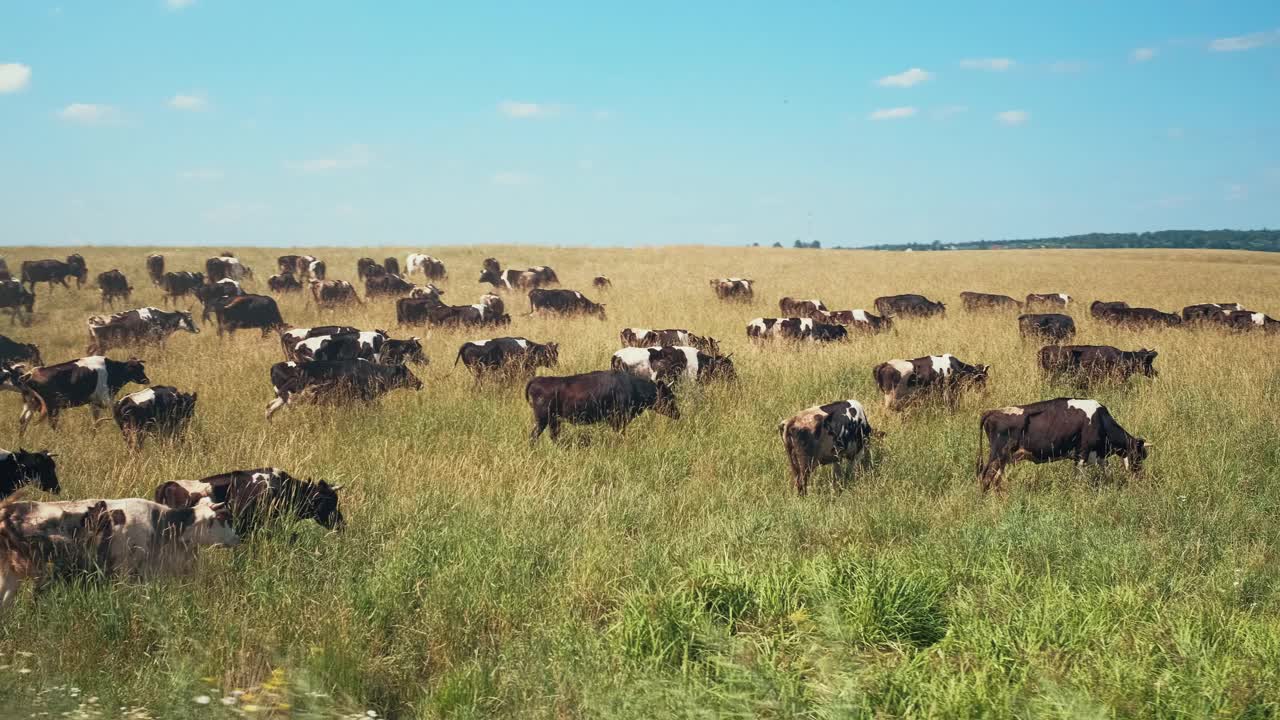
(275, 405)
(10, 583)
(555, 428)
(992, 471)
(540, 422)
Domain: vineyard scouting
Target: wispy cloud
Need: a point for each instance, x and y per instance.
(200, 175)
(189, 101)
(1068, 66)
(511, 177)
(14, 77)
(1013, 117)
(179, 4)
(1143, 54)
(905, 79)
(897, 113)
(89, 113)
(1237, 191)
(523, 110)
(947, 111)
(1245, 42)
(992, 64)
(353, 156)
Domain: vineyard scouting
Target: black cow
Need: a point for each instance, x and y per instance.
(643, 337)
(1140, 317)
(114, 285)
(795, 329)
(248, 311)
(860, 320)
(791, 307)
(392, 265)
(1209, 312)
(1090, 363)
(563, 302)
(909, 305)
(1102, 309)
(459, 315)
(92, 381)
(1248, 321)
(256, 495)
(226, 267)
(288, 264)
(513, 355)
(738, 289)
(367, 267)
(976, 301)
(283, 283)
(22, 467)
(180, 284)
(1053, 299)
(12, 351)
(17, 299)
(333, 293)
(1060, 429)
(159, 410)
(605, 395)
(136, 327)
(386, 285)
(670, 364)
(52, 271)
(414, 310)
(601, 282)
(826, 435)
(155, 268)
(210, 293)
(1054, 327)
(901, 380)
(336, 381)
(289, 339)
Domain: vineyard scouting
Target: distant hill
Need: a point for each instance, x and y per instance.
(1263, 240)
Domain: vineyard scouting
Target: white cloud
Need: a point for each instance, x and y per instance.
(1245, 42)
(511, 177)
(947, 111)
(353, 156)
(88, 113)
(519, 109)
(993, 64)
(906, 79)
(201, 174)
(179, 4)
(189, 101)
(1013, 117)
(1143, 54)
(893, 113)
(14, 77)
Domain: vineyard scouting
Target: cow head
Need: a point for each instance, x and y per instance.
(491, 264)
(211, 525)
(491, 276)
(11, 376)
(320, 503)
(1148, 357)
(186, 405)
(39, 467)
(401, 377)
(665, 401)
(185, 322)
(398, 351)
(545, 355)
(135, 370)
(720, 366)
(1135, 454)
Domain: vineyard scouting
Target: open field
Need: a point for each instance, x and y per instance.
(672, 571)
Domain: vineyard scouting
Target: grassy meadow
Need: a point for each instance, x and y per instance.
(672, 571)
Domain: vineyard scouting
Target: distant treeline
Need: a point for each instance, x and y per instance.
(1264, 240)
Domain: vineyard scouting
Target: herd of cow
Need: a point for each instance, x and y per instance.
(337, 363)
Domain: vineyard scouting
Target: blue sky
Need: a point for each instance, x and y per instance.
(280, 122)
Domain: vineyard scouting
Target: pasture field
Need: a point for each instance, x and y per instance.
(672, 571)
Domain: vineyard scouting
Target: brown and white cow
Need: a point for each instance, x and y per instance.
(429, 267)
(92, 381)
(563, 302)
(830, 434)
(284, 283)
(611, 396)
(1050, 299)
(1092, 363)
(226, 266)
(977, 301)
(671, 364)
(644, 337)
(373, 346)
(1054, 327)
(791, 307)
(290, 338)
(733, 288)
(157, 410)
(901, 380)
(795, 329)
(859, 320)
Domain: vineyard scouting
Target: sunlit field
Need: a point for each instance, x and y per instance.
(672, 570)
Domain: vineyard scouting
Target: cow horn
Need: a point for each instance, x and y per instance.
(335, 488)
(1148, 443)
(217, 507)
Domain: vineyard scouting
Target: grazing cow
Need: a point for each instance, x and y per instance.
(180, 284)
(335, 381)
(1060, 429)
(605, 395)
(1102, 309)
(860, 320)
(76, 260)
(455, 315)
(333, 293)
(431, 291)
(289, 339)
(795, 329)
(386, 285)
(414, 310)
(493, 304)
(284, 283)
(114, 285)
(210, 293)
(534, 277)
(976, 301)
(1209, 312)
(52, 271)
(92, 381)
(17, 300)
(1140, 317)
(791, 307)
(739, 289)
(1053, 327)
(392, 265)
(159, 409)
(901, 380)
(155, 268)
(563, 302)
(12, 351)
(673, 363)
(22, 467)
(248, 311)
(430, 267)
(512, 355)
(1091, 363)
(643, 337)
(372, 346)
(367, 267)
(1247, 321)
(909, 305)
(256, 495)
(142, 326)
(226, 266)
(826, 435)
(1054, 299)
(601, 282)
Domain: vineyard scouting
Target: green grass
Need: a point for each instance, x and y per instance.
(672, 571)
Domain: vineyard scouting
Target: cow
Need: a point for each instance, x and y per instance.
(17, 300)
(859, 319)
(1090, 363)
(830, 434)
(643, 337)
(901, 380)
(333, 293)
(1140, 317)
(795, 329)
(248, 311)
(180, 284)
(909, 305)
(493, 303)
(289, 339)
(52, 271)
(92, 381)
(12, 351)
(142, 326)
(367, 267)
(317, 270)
(159, 409)
(226, 266)
(1209, 312)
(512, 355)
(209, 293)
(334, 381)
(414, 310)
(791, 307)
(302, 265)
(612, 396)
(1054, 327)
(76, 260)
(1102, 309)
(374, 346)
(386, 285)
(22, 467)
(391, 265)
(1059, 429)
(113, 284)
(288, 264)
(253, 496)
(457, 315)
(11, 376)
(670, 364)
(601, 282)
(978, 301)
(284, 283)
(155, 268)
(1247, 321)
(431, 291)
(1054, 299)
(430, 267)
(739, 289)
(563, 302)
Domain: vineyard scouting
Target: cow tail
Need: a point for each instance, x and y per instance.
(982, 422)
(458, 359)
(26, 390)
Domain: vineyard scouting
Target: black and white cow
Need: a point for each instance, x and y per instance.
(460, 315)
(248, 311)
(17, 299)
(859, 320)
(224, 267)
(155, 268)
(1210, 312)
(901, 380)
(671, 364)
(210, 293)
(22, 468)
(54, 271)
(1054, 327)
(563, 302)
(795, 329)
(644, 337)
(284, 283)
(136, 327)
(791, 307)
(830, 434)
(909, 305)
(113, 284)
(367, 267)
(1050, 299)
(1060, 429)
(1092, 363)
(609, 396)
(512, 355)
(159, 410)
(289, 339)
(12, 351)
(1139, 317)
(92, 381)
(428, 266)
(253, 496)
(373, 346)
(333, 293)
(977, 301)
(1248, 321)
(336, 381)
(740, 289)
